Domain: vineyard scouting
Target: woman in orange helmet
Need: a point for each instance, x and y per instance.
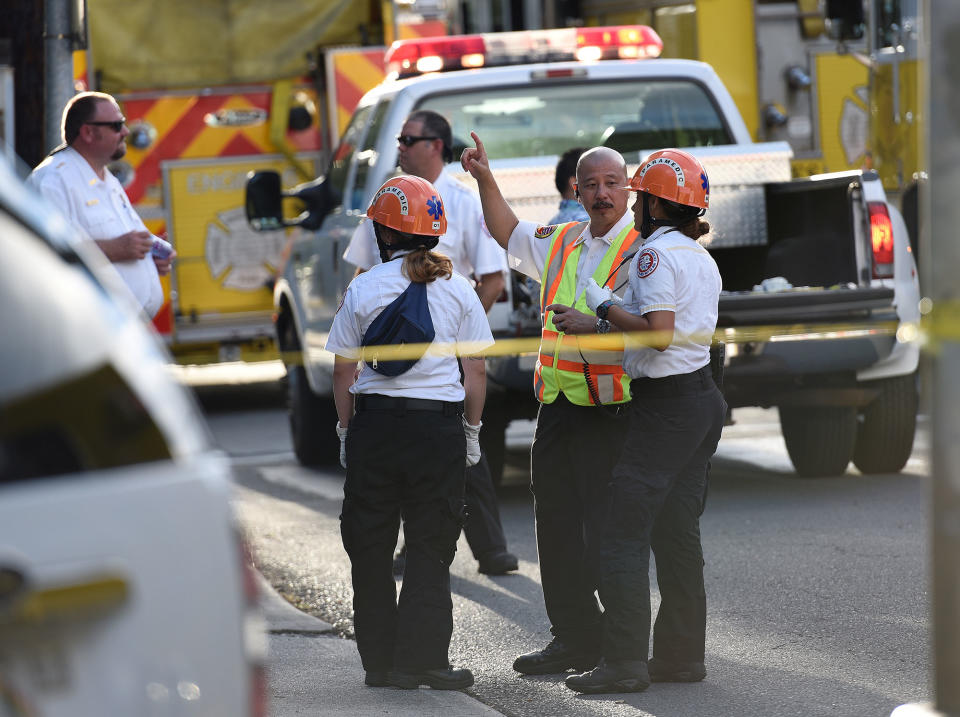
(395, 408)
(659, 486)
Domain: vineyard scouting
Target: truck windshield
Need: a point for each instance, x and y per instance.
(538, 120)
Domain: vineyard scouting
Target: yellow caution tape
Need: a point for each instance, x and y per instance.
(906, 332)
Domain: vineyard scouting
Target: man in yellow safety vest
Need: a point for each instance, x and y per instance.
(582, 391)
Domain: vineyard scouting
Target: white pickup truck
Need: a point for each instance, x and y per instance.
(826, 348)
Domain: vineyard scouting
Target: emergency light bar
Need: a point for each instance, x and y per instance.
(406, 58)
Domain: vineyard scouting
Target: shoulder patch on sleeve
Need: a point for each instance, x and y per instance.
(542, 232)
(647, 263)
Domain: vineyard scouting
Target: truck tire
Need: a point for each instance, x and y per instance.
(312, 422)
(820, 439)
(885, 434)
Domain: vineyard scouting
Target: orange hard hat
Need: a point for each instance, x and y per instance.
(410, 205)
(674, 175)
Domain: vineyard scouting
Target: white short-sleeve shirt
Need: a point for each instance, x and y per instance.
(101, 210)
(527, 249)
(457, 316)
(672, 272)
(467, 242)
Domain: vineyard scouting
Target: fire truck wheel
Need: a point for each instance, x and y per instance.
(312, 419)
(885, 435)
(819, 439)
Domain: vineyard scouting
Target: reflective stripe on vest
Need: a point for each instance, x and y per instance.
(560, 366)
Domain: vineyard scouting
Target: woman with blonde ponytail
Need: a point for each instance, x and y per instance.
(408, 429)
(423, 266)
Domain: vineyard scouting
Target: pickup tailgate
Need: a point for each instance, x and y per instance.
(813, 305)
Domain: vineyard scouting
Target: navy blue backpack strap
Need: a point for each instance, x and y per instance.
(405, 320)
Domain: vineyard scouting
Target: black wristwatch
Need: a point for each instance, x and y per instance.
(603, 326)
(604, 308)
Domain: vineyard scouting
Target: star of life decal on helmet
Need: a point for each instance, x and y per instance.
(677, 169)
(398, 193)
(435, 208)
(647, 263)
(544, 231)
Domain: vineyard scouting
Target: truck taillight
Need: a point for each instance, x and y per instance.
(881, 238)
(456, 52)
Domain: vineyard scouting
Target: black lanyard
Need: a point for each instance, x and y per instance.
(627, 258)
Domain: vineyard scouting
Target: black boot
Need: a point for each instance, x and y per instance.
(670, 671)
(498, 563)
(556, 657)
(441, 679)
(375, 678)
(607, 677)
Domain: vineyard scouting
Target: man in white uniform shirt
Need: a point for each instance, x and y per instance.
(76, 180)
(424, 147)
(582, 393)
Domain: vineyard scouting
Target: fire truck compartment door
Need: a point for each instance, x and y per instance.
(223, 266)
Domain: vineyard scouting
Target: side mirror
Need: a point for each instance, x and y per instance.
(320, 199)
(845, 19)
(264, 202)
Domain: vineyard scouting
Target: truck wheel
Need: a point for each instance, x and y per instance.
(819, 439)
(312, 421)
(885, 436)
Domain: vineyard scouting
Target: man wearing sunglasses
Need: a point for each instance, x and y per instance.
(75, 179)
(424, 147)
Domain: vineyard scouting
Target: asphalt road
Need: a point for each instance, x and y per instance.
(817, 589)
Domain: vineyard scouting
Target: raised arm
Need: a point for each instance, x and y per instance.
(498, 215)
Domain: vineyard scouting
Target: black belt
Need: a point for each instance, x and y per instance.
(616, 408)
(402, 404)
(677, 384)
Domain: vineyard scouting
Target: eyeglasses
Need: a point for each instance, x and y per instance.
(116, 125)
(408, 140)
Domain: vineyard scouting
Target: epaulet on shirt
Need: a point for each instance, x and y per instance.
(459, 186)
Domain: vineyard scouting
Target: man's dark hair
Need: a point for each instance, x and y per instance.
(79, 110)
(436, 125)
(567, 167)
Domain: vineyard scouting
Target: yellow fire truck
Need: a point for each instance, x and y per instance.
(211, 92)
(842, 90)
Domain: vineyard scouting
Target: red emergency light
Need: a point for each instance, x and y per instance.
(881, 237)
(406, 58)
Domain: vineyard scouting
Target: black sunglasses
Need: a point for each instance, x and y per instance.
(408, 140)
(116, 125)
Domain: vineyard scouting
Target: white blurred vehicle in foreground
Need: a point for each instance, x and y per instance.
(124, 588)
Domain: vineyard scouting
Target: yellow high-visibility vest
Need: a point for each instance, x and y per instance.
(560, 366)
